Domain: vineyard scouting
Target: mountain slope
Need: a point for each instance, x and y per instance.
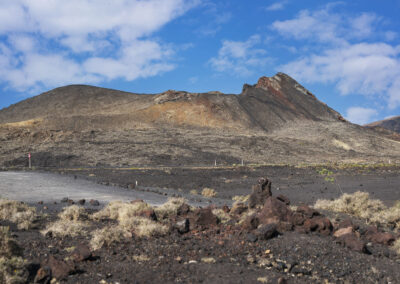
(264, 106)
(276, 121)
(392, 124)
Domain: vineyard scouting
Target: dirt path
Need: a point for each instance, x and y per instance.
(32, 187)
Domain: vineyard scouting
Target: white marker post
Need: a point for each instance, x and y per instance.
(30, 163)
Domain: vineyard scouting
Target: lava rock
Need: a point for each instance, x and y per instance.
(261, 192)
(203, 217)
(81, 253)
(266, 232)
(274, 211)
(307, 211)
(94, 202)
(81, 201)
(250, 223)
(183, 226)
(43, 275)
(352, 242)
(59, 268)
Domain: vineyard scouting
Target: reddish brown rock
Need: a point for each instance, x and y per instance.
(283, 198)
(266, 232)
(307, 211)
(251, 223)
(260, 193)
(137, 201)
(343, 231)
(297, 219)
(383, 238)
(43, 275)
(81, 253)
(347, 223)
(319, 224)
(59, 268)
(203, 217)
(274, 211)
(352, 242)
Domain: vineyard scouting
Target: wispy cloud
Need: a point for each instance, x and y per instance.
(48, 43)
(280, 5)
(341, 52)
(361, 115)
(240, 57)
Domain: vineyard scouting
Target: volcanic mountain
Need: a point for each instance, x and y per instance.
(392, 124)
(274, 121)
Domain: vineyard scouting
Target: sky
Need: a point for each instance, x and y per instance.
(346, 52)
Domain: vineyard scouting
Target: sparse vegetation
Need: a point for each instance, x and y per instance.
(169, 208)
(221, 215)
(143, 227)
(12, 265)
(396, 246)
(64, 228)
(359, 204)
(241, 198)
(118, 210)
(73, 213)
(208, 192)
(108, 236)
(194, 192)
(18, 213)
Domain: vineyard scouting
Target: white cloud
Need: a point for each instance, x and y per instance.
(239, 56)
(340, 56)
(277, 6)
(360, 115)
(326, 27)
(53, 42)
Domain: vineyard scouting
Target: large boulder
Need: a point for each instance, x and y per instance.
(261, 192)
(274, 211)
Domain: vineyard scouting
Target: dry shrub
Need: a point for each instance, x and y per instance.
(18, 213)
(221, 215)
(12, 265)
(194, 192)
(359, 204)
(169, 208)
(118, 210)
(108, 236)
(13, 270)
(73, 213)
(143, 227)
(64, 228)
(208, 192)
(396, 246)
(241, 198)
(8, 246)
(141, 258)
(208, 260)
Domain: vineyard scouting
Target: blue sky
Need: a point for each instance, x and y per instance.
(345, 52)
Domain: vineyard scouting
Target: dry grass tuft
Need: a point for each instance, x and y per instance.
(169, 208)
(246, 214)
(108, 236)
(18, 213)
(221, 215)
(396, 246)
(208, 192)
(241, 198)
(141, 258)
(194, 192)
(64, 228)
(12, 265)
(208, 260)
(73, 213)
(13, 270)
(359, 204)
(118, 210)
(8, 246)
(143, 227)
